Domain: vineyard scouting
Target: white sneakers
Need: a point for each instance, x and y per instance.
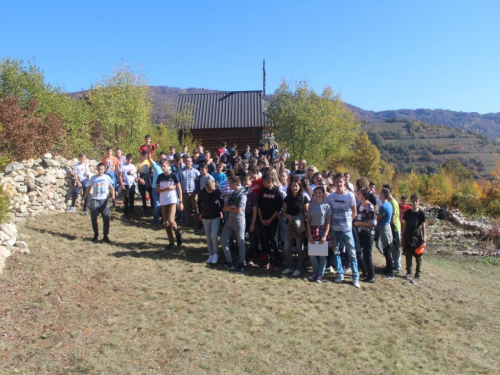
(356, 284)
(209, 260)
(339, 278)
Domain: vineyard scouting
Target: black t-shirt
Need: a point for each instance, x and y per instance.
(270, 201)
(372, 199)
(246, 155)
(295, 205)
(413, 219)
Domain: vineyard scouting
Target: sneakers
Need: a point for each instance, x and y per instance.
(312, 278)
(178, 236)
(347, 269)
(276, 266)
(251, 263)
(199, 231)
(407, 276)
(319, 279)
(388, 277)
(215, 258)
(229, 266)
(94, 239)
(71, 209)
(356, 283)
(415, 281)
(339, 278)
(286, 271)
(85, 212)
(397, 271)
(371, 281)
(296, 273)
(170, 247)
(106, 239)
(266, 266)
(240, 268)
(209, 260)
(330, 269)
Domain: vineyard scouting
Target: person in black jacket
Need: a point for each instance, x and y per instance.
(210, 204)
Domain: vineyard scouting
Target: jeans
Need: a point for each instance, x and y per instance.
(396, 250)
(298, 241)
(128, 199)
(190, 202)
(348, 241)
(366, 241)
(270, 235)
(100, 206)
(319, 263)
(155, 203)
(211, 227)
(238, 228)
(254, 239)
(409, 254)
(143, 189)
(75, 195)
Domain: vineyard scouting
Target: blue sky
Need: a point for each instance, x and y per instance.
(379, 55)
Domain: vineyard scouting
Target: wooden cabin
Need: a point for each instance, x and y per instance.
(234, 117)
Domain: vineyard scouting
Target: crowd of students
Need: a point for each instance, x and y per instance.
(253, 194)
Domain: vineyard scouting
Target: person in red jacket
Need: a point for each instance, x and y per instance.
(145, 147)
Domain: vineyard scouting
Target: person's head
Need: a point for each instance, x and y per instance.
(109, 151)
(256, 152)
(363, 194)
(184, 149)
(207, 154)
(189, 162)
(295, 186)
(302, 165)
(81, 157)
(172, 150)
(253, 171)
(220, 167)
(203, 169)
(371, 187)
(247, 181)
(196, 155)
(339, 182)
(119, 153)
(129, 158)
(210, 186)
(144, 154)
(147, 139)
(362, 183)
(268, 181)
(100, 169)
(385, 194)
(247, 148)
(262, 163)
(161, 155)
(223, 144)
(347, 176)
(311, 171)
(165, 166)
(177, 158)
(388, 187)
(404, 199)
(415, 200)
(230, 173)
(199, 148)
(319, 192)
(234, 182)
(295, 165)
(283, 176)
(316, 177)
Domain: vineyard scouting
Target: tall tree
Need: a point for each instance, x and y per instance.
(366, 157)
(120, 105)
(313, 127)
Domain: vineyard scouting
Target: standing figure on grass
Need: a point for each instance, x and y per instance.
(155, 200)
(127, 179)
(365, 224)
(210, 203)
(145, 181)
(82, 176)
(319, 216)
(235, 223)
(295, 208)
(413, 237)
(101, 185)
(166, 185)
(384, 232)
(343, 204)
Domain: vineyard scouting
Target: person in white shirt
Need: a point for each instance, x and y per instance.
(82, 175)
(101, 185)
(127, 178)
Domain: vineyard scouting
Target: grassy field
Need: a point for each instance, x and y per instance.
(74, 307)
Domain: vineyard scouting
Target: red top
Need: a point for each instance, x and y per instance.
(145, 148)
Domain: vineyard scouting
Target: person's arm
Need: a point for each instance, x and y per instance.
(309, 231)
(284, 212)
(87, 192)
(423, 234)
(254, 219)
(327, 229)
(354, 211)
(120, 179)
(77, 180)
(403, 235)
(179, 193)
(112, 191)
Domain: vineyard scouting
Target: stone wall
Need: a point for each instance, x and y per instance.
(35, 187)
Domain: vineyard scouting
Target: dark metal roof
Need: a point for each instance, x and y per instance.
(222, 110)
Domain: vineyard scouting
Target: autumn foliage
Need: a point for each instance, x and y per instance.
(24, 135)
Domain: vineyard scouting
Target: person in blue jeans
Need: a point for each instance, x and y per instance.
(235, 223)
(343, 205)
(319, 217)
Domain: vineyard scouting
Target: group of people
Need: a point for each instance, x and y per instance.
(319, 216)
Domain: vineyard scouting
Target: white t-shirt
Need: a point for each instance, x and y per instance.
(169, 196)
(341, 210)
(80, 170)
(129, 174)
(100, 185)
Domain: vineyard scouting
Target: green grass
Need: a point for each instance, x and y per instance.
(72, 307)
